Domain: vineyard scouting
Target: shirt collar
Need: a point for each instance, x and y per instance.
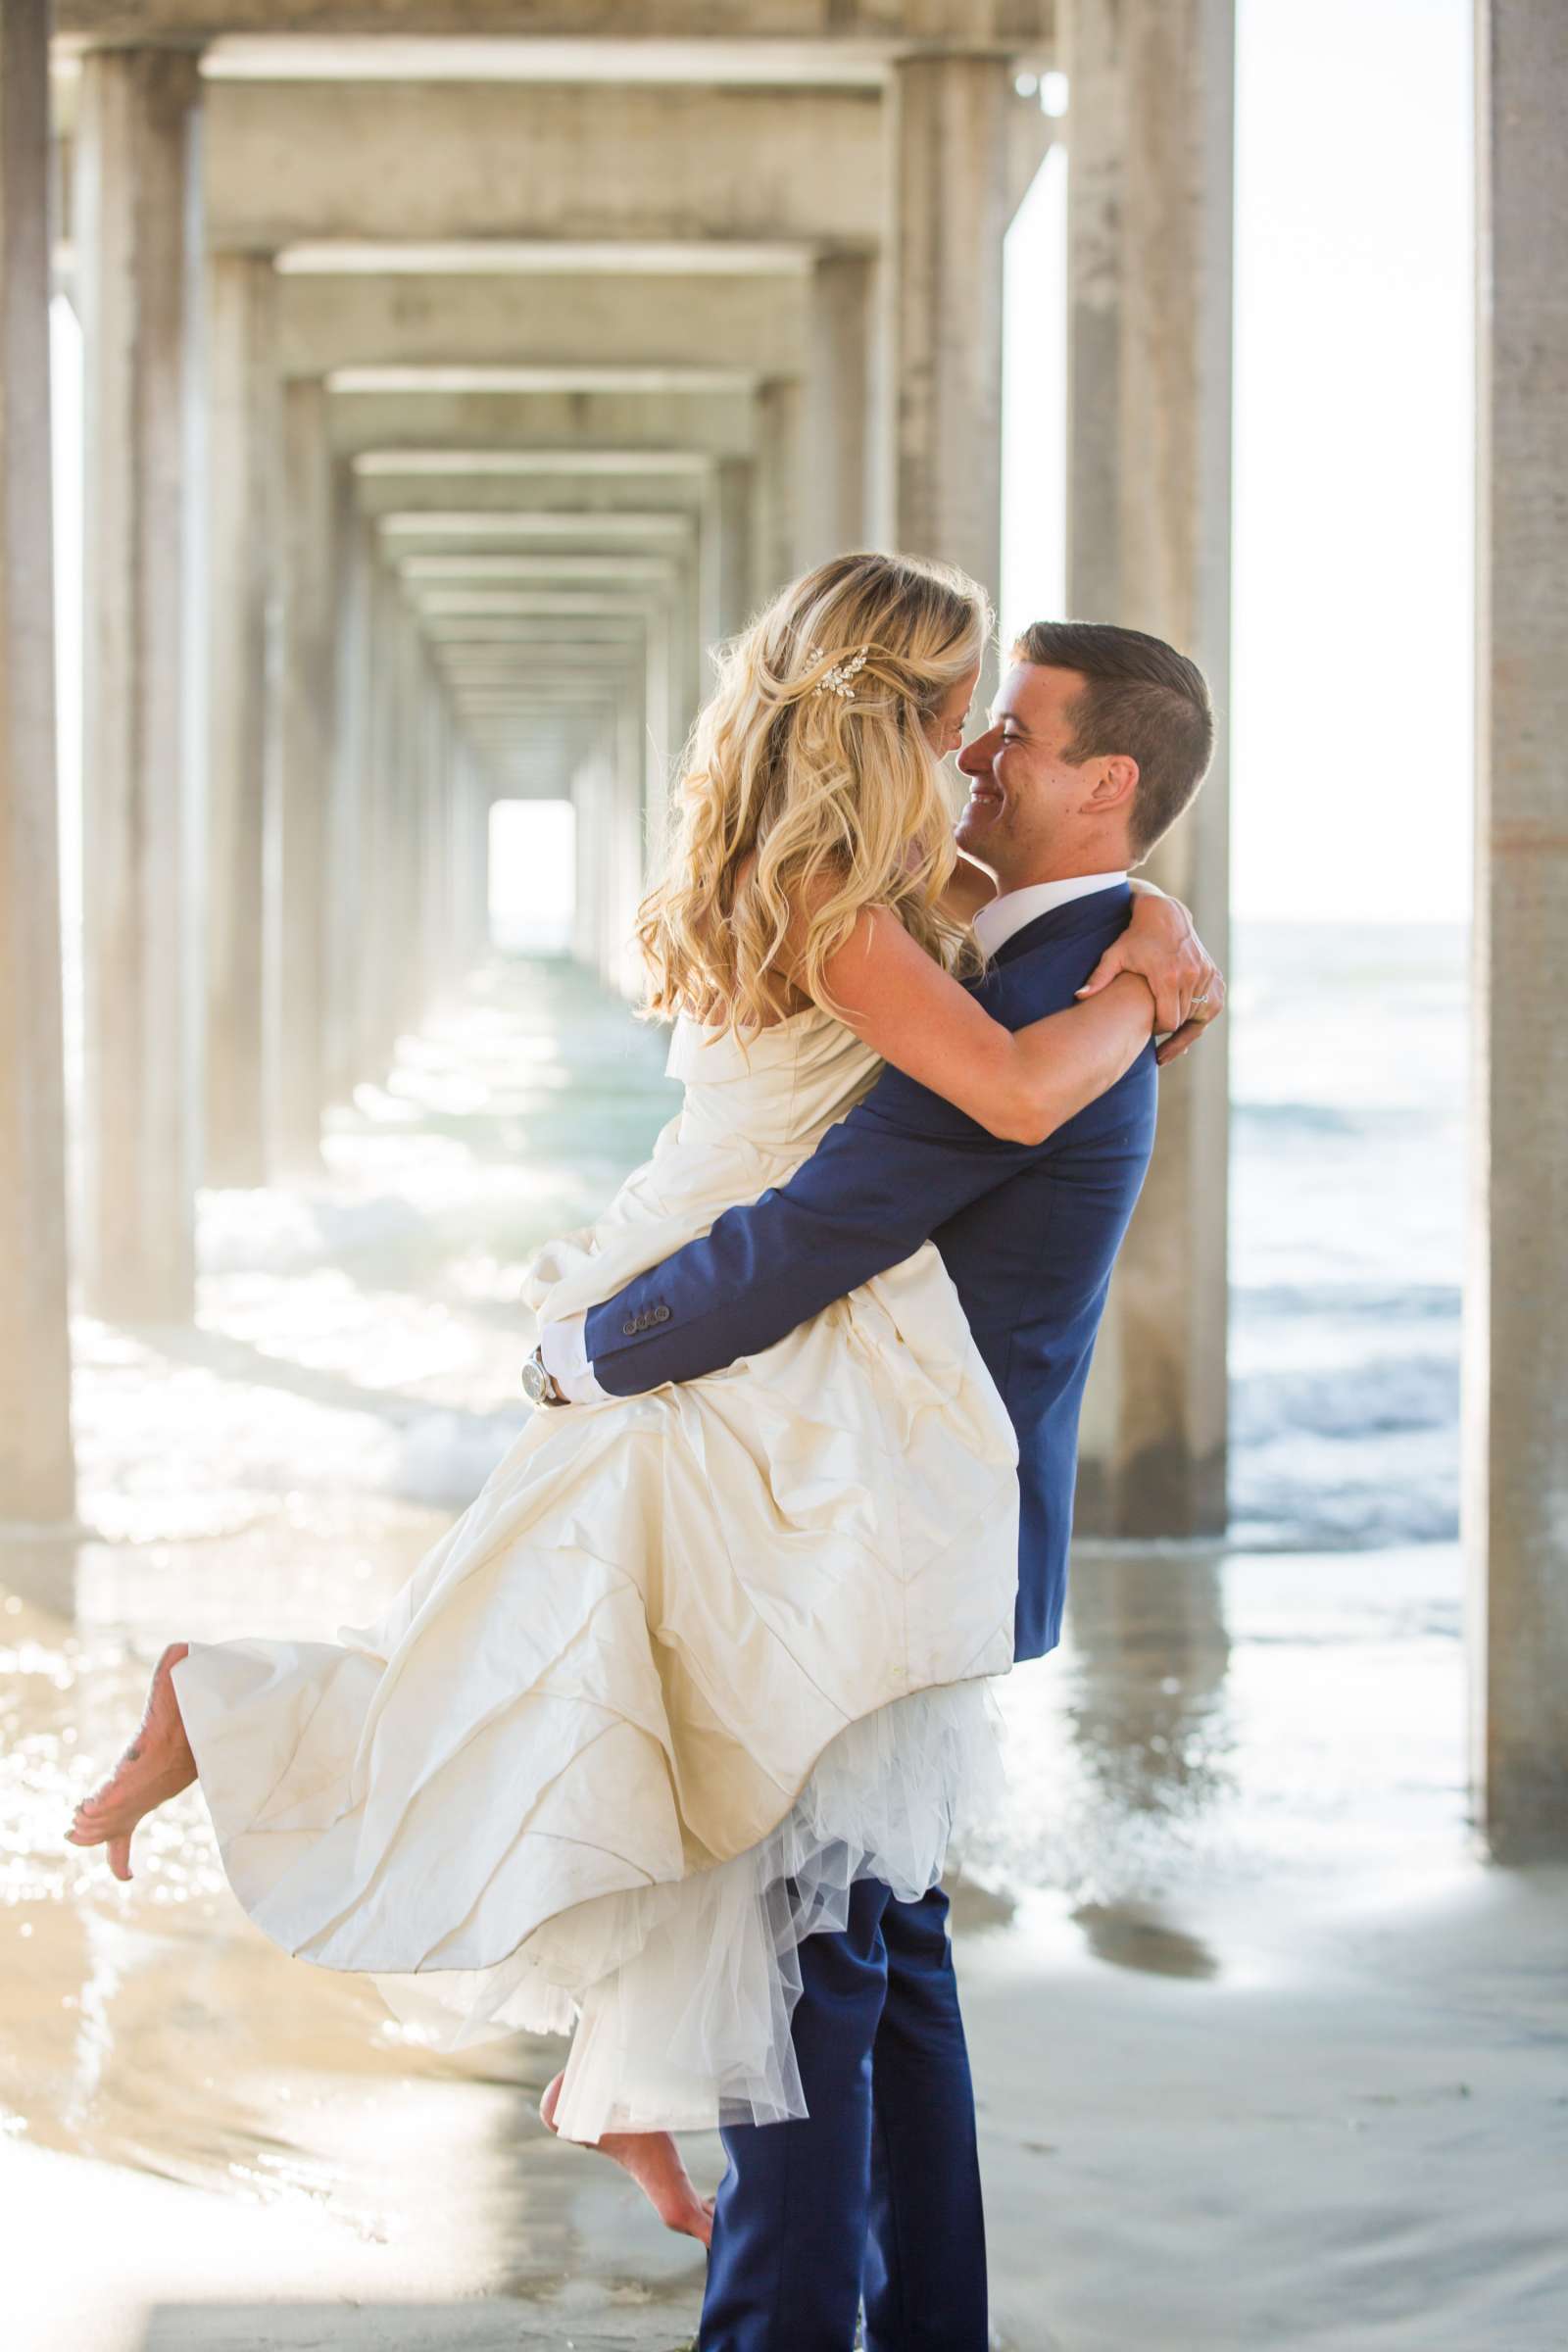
(996, 923)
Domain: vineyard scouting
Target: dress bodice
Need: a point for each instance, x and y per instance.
(776, 1092)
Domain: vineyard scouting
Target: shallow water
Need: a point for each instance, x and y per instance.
(1255, 1733)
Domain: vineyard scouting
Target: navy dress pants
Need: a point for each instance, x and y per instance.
(877, 2192)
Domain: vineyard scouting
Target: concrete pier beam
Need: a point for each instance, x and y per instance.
(600, 482)
(136, 221)
(303, 160)
(352, 318)
(36, 1473)
(1516, 1372)
(951, 199)
(445, 417)
(806, 41)
(245, 620)
(1149, 545)
(306, 715)
(525, 530)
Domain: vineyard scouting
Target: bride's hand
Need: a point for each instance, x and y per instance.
(1161, 944)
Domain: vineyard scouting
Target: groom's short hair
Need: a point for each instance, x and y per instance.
(1140, 699)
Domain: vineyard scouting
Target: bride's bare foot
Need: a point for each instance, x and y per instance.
(654, 2163)
(156, 1766)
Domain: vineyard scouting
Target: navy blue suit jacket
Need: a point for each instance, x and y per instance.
(1027, 1232)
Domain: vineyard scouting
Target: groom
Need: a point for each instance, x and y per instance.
(1097, 740)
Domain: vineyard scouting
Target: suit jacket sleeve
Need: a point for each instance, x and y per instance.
(878, 1184)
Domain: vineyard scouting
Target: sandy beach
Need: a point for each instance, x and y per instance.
(1268, 2054)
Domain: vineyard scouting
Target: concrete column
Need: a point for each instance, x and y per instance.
(950, 129)
(377, 980)
(392, 861)
(634, 841)
(36, 1478)
(687, 617)
(660, 728)
(136, 221)
(1516, 1504)
(405, 990)
(433, 875)
(467, 945)
(1149, 545)
(735, 494)
(416, 775)
(351, 758)
(433, 878)
(726, 572)
(836, 435)
(306, 711)
(476, 858)
(612, 863)
(592, 787)
(244, 618)
(775, 542)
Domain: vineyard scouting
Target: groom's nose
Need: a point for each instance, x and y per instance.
(975, 758)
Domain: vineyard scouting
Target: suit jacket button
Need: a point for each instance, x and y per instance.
(661, 1314)
(630, 1328)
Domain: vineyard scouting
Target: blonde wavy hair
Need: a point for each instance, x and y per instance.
(838, 795)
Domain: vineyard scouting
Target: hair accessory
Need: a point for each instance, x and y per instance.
(838, 680)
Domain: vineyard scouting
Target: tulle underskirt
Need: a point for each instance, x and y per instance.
(682, 1994)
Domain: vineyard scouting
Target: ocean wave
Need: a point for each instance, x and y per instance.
(1370, 1400)
(1291, 1302)
(1314, 1118)
(1280, 1514)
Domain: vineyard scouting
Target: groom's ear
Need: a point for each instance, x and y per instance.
(1115, 787)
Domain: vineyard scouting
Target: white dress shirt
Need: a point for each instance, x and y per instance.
(564, 1347)
(996, 923)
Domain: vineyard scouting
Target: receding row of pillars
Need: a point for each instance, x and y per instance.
(242, 755)
(283, 822)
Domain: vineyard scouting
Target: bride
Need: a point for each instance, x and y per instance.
(694, 1662)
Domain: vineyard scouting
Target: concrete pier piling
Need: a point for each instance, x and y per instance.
(37, 1472)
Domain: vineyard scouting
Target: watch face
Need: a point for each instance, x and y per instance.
(534, 1381)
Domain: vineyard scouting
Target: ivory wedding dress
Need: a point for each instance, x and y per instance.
(689, 1664)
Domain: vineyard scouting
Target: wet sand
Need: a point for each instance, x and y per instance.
(1268, 2054)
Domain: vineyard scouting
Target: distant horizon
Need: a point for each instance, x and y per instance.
(1382, 925)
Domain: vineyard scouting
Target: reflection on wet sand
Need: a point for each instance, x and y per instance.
(1190, 1982)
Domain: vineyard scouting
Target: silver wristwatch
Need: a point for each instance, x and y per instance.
(538, 1385)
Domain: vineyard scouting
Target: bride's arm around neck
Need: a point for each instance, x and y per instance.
(1019, 1085)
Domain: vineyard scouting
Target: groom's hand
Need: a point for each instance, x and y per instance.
(1163, 946)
